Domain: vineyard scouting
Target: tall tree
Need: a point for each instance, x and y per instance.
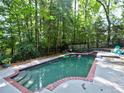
(36, 25)
(106, 5)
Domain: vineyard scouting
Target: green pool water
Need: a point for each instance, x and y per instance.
(36, 77)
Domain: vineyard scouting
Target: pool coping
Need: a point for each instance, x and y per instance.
(52, 86)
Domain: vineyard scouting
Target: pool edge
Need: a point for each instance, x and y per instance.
(58, 82)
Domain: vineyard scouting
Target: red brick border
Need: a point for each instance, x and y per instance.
(17, 85)
(57, 83)
(92, 72)
(16, 73)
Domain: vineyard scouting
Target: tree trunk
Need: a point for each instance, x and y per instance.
(75, 11)
(106, 8)
(31, 30)
(36, 25)
(19, 30)
(97, 40)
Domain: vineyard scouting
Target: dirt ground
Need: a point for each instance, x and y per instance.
(28, 61)
(39, 58)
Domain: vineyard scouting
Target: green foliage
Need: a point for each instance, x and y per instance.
(25, 51)
(7, 60)
(32, 28)
(1, 58)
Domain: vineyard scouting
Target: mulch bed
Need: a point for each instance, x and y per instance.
(28, 61)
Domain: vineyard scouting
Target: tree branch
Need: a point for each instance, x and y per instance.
(102, 5)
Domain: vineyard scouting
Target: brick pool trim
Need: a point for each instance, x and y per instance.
(92, 72)
(16, 84)
(57, 83)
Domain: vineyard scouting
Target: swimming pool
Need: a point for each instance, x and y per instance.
(37, 77)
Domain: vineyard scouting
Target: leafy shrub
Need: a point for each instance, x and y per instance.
(7, 60)
(25, 51)
(1, 58)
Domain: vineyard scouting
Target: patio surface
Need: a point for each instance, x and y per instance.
(6, 87)
(7, 72)
(109, 78)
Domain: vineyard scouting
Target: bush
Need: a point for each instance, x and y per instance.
(25, 51)
(7, 60)
(1, 58)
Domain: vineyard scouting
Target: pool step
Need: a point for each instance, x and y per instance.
(26, 79)
(20, 76)
(29, 83)
(38, 83)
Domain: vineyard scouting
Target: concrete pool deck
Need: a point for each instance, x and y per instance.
(6, 87)
(108, 78)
